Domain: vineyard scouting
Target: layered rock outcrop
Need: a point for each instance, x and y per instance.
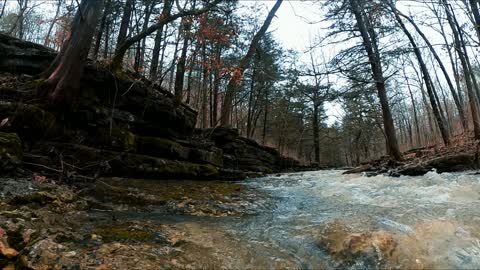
(119, 127)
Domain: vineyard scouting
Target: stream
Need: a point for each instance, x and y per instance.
(324, 219)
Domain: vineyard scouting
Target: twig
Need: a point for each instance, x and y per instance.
(42, 166)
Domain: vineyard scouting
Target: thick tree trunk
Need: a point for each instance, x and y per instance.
(233, 83)
(62, 83)
(369, 41)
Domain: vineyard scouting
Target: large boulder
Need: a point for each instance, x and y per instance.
(10, 151)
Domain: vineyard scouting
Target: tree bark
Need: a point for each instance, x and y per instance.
(124, 24)
(369, 43)
(101, 29)
(63, 81)
(233, 83)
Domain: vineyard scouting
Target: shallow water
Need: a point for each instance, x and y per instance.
(328, 220)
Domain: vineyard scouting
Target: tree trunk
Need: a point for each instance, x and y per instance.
(103, 22)
(316, 137)
(54, 20)
(428, 81)
(3, 8)
(472, 97)
(474, 5)
(180, 75)
(456, 99)
(369, 41)
(62, 83)
(163, 20)
(234, 81)
(124, 24)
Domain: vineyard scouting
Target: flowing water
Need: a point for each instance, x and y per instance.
(430, 221)
(328, 220)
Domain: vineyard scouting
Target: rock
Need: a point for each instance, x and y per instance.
(160, 147)
(23, 57)
(360, 169)
(30, 122)
(10, 151)
(414, 170)
(453, 163)
(117, 138)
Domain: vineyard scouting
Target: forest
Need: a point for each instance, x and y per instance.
(403, 81)
(179, 109)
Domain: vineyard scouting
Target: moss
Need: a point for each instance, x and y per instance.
(118, 233)
(162, 148)
(116, 138)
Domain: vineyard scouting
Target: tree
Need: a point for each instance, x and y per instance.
(428, 80)
(234, 81)
(371, 47)
(164, 19)
(64, 74)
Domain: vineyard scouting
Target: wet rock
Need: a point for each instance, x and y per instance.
(453, 163)
(360, 169)
(414, 170)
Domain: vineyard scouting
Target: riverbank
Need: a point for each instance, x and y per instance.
(116, 223)
(462, 155)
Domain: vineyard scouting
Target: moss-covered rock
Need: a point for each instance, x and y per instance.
(10, 151)
(30, 122)
(160, 147)
(117, 138)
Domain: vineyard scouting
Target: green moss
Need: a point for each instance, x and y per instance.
(161, 147)
(124, 234)
(117, 138)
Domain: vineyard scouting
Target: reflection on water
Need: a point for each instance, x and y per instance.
(414, 222)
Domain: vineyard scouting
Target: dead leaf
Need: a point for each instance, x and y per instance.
(39, 178)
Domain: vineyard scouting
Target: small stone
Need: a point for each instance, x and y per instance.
(70, 254)
(94, 237)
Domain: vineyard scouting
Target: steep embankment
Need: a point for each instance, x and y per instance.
(118, 127)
